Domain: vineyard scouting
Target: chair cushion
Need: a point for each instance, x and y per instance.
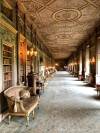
(30, 103)
(24, 94)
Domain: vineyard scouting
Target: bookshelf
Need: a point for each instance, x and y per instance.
(7, 65)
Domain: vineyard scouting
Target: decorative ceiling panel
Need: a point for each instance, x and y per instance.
(62, 24)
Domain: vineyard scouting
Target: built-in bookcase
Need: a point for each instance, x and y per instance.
(7, 65)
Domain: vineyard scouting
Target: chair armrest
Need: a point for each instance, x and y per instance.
(20, 106)
(15, 105)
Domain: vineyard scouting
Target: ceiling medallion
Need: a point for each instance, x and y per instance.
(69, 14)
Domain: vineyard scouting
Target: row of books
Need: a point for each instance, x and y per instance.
(28, 63)
(7, 65)
(7, 54)
(7, 48)
(7, 76)
(7, 61)
(7, 68)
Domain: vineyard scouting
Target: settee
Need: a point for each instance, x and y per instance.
(20, 102)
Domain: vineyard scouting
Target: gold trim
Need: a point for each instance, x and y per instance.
(7, 4)
(7, 25)
(92, 3)
(22, 38)
(28, 43)
(3, 116)
(84, 6)
(8, 44)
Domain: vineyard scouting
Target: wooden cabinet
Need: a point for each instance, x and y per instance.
(7, 65)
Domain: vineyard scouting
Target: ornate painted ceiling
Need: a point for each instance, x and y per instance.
(62, 25)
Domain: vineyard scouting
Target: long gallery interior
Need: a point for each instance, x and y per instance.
(49, 66)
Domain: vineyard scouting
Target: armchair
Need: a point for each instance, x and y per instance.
(20, 105)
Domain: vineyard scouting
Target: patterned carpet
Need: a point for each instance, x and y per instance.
(67, 106)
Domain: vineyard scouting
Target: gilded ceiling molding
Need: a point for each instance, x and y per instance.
(7, 25)
(38, 5)
(84, 6)
(91, 2)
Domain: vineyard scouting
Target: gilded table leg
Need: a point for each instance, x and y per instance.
(27, 117)
(9, 117)
(33, 114)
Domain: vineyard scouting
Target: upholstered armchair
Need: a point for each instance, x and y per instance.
(20, 103)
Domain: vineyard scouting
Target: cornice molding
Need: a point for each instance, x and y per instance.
(5, 24)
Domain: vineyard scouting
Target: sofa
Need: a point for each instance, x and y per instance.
(20, 102)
